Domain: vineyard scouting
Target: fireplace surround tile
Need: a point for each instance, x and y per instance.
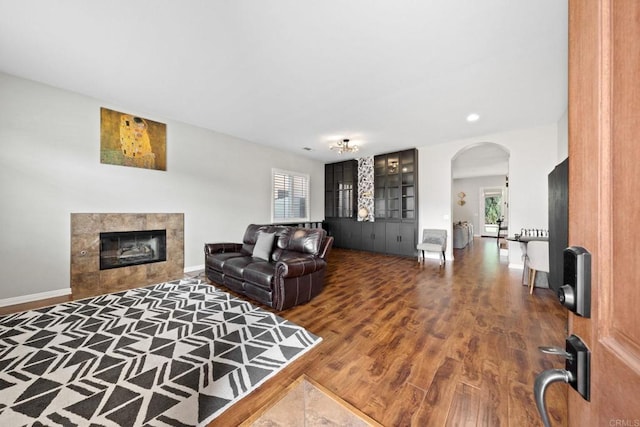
(86, 277)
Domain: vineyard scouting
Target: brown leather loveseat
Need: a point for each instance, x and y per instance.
(279, 266)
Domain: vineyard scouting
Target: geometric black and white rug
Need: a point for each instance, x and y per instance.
(173, 354)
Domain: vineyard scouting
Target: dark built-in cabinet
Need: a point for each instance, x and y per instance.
(401, 238)
(394, 230)
(374, 235)
(394, 183)
(341, 189)
(558, 222)
(340, 203)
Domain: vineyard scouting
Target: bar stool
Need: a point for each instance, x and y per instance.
(538, 256)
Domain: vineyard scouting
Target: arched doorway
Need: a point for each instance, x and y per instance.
(480, 188)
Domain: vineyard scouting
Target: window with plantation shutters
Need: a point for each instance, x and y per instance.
(290, 196)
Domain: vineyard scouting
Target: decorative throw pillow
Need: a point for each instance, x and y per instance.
(264, 245)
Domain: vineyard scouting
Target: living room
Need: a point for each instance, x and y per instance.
(60, 174)
(50, 169)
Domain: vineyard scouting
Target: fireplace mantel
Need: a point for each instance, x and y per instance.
(86, 277)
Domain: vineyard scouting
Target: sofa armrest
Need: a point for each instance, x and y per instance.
(217, 248)
(296, 267)
(325, 248)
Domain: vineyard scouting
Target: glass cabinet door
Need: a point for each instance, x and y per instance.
(341, 189)
(380, 185)
(393, 186)
(346, 189)
(407, 168)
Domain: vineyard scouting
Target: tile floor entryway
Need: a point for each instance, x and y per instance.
(306, 403)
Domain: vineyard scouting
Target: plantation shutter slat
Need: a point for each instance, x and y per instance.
(290, 196)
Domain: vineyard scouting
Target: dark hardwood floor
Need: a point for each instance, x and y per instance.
(418, 345)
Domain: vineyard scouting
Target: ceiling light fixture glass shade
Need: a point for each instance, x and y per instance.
(344, 147)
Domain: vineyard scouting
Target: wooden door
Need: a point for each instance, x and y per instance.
(604, 204)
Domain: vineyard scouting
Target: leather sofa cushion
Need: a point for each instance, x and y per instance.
(251, 234)
(217, 261)
(294, 255)
(234, 284)
(234, 267)
(250, 269)
(306, 240)
(282, 241)
(260, 273)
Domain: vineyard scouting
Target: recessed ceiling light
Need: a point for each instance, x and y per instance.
(473, 117)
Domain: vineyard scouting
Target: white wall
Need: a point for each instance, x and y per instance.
(50, 167)
(533, 154)
(563, 137)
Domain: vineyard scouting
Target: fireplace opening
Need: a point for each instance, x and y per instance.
(126, 248)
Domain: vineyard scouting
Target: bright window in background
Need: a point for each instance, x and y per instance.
(492, 208)
(290, 196)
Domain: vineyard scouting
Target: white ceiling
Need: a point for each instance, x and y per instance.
(389, 74)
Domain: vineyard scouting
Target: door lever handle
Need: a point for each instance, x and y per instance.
(576, 373)
(557, 351)
(544, 380)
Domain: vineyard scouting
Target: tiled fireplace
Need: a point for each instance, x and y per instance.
(87, 277)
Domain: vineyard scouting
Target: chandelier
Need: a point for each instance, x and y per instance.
(343, 147)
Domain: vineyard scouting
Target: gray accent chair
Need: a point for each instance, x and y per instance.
(433, 240)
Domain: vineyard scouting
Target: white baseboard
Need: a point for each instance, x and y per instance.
(516, 266)
(63, 292)
(194, 268)
(34, 297)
